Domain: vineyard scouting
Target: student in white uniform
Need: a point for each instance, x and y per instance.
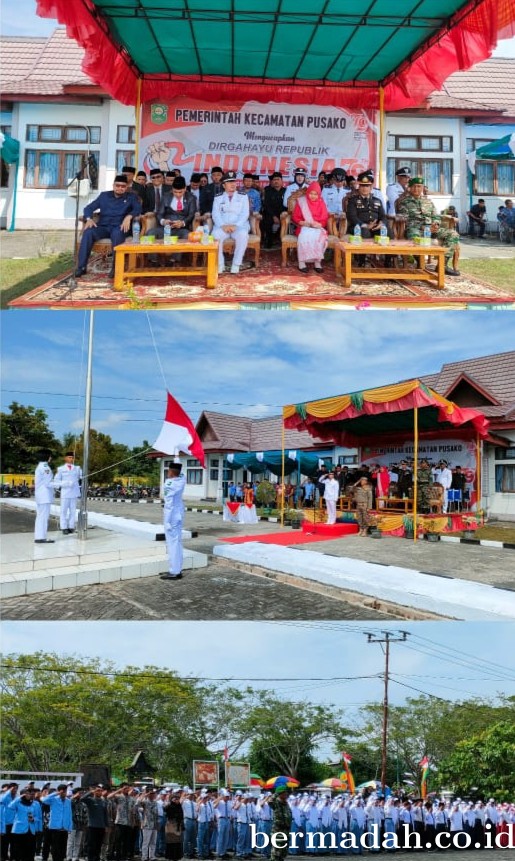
(44, 496)
(68, 478)
(173, 517)
(231, 221)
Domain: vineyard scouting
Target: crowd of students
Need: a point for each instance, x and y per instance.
(106, 824)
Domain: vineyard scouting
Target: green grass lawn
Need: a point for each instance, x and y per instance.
(499, 273)
(495, 533)
(21, 276)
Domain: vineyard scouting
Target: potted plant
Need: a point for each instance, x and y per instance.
(407, 522)
(432, 530)
(293, 517)
(468, 532)
(265, 495)
(373, 526)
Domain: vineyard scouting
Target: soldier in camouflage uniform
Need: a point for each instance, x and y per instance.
(281, 820)
(424, 482)
(420, 212)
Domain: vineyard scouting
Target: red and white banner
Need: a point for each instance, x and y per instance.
(256, 138)
(455, 451)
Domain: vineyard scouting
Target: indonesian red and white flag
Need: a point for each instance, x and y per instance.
(178, 433)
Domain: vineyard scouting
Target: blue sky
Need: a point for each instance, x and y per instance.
(19, 19)
(451, 660)
(246, 363)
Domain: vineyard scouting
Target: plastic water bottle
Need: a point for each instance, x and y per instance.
(357, 230)
(167, 234)
(427, 232)
(205, 235)
(136, 232)
(383, 232)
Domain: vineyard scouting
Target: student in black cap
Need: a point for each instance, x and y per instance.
(117, 209)
(273, 205)
(129, 172)
(168, 180)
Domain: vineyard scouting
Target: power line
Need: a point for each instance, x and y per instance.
(140, 675)
(141, 400)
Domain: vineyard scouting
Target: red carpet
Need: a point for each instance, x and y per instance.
(282, 538)
(268, 287)
(334, 530)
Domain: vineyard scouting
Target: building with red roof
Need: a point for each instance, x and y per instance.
(56, 113)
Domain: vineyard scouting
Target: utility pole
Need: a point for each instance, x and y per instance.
(387, 638)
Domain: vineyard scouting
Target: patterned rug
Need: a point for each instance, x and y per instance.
(268, 286)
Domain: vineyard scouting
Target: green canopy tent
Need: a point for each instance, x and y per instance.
(257, 462)
(380, 54)
(10, 153)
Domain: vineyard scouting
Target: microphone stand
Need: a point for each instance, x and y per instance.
(77, 179)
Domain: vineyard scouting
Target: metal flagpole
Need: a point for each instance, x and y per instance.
(82, 525)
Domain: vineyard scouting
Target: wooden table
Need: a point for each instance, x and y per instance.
(344, 251)
(394, 503)
(134, 253)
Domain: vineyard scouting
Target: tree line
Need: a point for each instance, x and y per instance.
(25, 434)
(59, 713)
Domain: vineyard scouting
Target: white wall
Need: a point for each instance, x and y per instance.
(431, 126)
(54, 208)
(497, 505)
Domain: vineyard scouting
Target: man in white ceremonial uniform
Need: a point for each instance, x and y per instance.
(173, 518)
(331, 495)
(68, 478)
(395, 189)
(44, 496)
(444, 477)
(231, 221)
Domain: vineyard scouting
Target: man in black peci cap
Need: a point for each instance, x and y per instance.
(273, 205)
(207, 193)
(116, 210)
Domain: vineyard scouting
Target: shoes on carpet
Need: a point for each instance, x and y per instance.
(235, 270)
(44, 541)
(318, 270)
(450, 271)
(221, 270)
(303, 270)
(80, 271)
